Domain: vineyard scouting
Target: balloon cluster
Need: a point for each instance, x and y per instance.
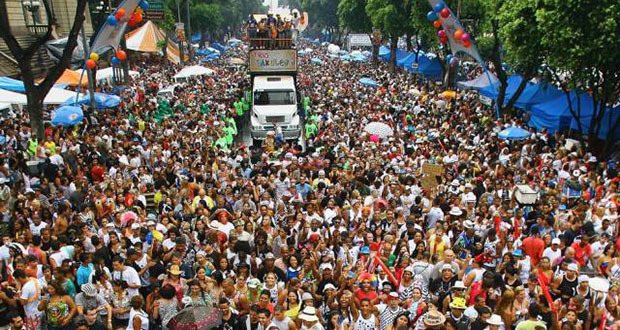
(440, 10)
(91, 63)
(135, 17)
(453, 60)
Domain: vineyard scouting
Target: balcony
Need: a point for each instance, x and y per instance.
(37, 29)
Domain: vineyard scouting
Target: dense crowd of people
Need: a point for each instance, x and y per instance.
(159, 205)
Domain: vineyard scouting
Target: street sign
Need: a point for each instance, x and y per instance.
(156, 11)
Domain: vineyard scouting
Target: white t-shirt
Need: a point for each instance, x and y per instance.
(31, 289)
(552, 255)
(36, 229)
(130, 276)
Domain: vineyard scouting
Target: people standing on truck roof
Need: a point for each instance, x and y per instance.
(262, 33)
(250, 27)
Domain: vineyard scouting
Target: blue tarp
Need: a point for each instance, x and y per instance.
(427, 67)
(386, 56)
(555, 113)
(479, 82)
(383, 51)
(196, 37)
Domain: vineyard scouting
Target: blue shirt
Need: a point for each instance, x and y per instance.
(83, 274)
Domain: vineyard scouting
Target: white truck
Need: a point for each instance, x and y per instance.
(275, 99)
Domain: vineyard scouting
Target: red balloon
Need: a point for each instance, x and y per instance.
(458, 34)
(139, 17)
(131, 22)
(445, 13)
(437, 24)
(441, 33)
(466, 43)
(121, 55)
(91, 64)
(120, 14)
(443, 40)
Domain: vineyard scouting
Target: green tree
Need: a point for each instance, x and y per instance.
(206, 18)
(35, 93)
(393, 18)
(322, 14)
(352, 16)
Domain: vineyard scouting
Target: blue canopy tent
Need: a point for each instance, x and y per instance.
(586, 115)
(196, 37)
(102, 100)
(427, 67)
(492, 90)
(221, 48)
(316, 60)
(386, 56)
(555, 114)
(384, 51)
(535, 93)
(17, 85)
(406, 61)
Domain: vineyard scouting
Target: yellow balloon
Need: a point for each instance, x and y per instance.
(94, 56)
(139, 10)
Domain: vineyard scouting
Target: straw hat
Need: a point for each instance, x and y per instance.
(434, 318)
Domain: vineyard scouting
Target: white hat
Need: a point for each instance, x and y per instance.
(455, 183)
(456, 211)
(459, 285)
(572, 267)
(495, 320)
(150, 223)
(447, 267)
(135, 225)
(308, 314)
(326, 266)
(409, 269)
(556, 241)
(592, 159)
(583, 278)
(29, 191)
(110, 224)
(468, 224)
(576, 173)
(306, 296)
(328, 286)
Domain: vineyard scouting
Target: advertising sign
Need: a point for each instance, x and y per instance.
(278, 60)
(155, 11)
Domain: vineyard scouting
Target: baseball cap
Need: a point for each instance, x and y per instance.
(572, 267)
(135, 225)
(556, 241)
(269, 256)
(329, 286)
(393, 295)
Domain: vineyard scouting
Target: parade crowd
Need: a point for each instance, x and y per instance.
(159, 204)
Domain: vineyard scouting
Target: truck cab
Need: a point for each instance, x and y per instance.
(274, 102)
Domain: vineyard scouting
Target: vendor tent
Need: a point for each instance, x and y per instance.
(384, 51)
(399, 54)
(11, 84)
(145, 38)
(72, 78)
(58, 96)
(12, 97)
(406, 61)
(427, 66)
(555, 114)
(492, 90)
(107, 74)
(481, 81)
(535, 93)
(191, 71)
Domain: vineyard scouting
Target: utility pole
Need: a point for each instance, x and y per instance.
(91, 78)
(189, 31)
(179, 36)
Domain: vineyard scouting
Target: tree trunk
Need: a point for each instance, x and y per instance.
(35, 112)
(164, 50)
(393, 48)
(125, 63)
(409, 45)
(375, 54)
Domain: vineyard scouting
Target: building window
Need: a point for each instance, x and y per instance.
(32, 12)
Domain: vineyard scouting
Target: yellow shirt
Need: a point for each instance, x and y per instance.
(51, 146)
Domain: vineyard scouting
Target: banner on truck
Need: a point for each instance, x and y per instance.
(283, 60)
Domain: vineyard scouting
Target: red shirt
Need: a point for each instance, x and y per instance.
(97, 172)
(533, 247)
(581, 252)
(371, 295)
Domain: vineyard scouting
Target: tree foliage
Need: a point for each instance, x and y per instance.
(352, 16)
(392, 17)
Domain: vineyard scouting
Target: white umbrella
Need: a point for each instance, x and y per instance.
(380, 129)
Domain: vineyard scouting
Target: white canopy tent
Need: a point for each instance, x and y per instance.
(191, 71)
(58, 96)
(12, 97)
(106, 75)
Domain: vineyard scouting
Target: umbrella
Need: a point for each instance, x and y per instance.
(316, 60)
(67, 116)
(102, 100)
(196, 317)
(448, 94)
(301, 53)
(514, 133)
(368, 82)
(380, 129)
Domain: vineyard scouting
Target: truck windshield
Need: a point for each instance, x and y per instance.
(274, 97)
